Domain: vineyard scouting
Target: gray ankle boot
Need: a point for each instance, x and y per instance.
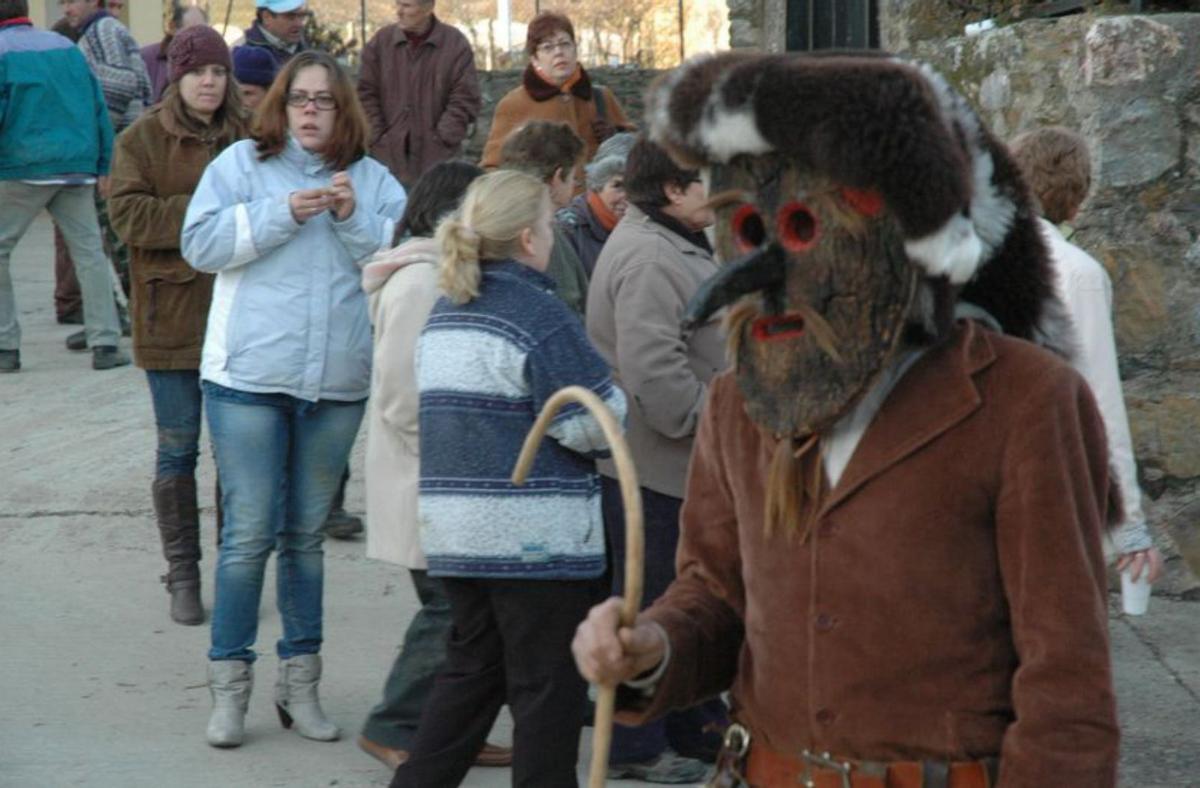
(296, 698)
(179, 527)
(229, 683)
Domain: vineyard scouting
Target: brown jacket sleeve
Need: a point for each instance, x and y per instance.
(138, 215)
(504, 121)
(702, 610)
(464, 102)
(368, 87)
(1048, 520)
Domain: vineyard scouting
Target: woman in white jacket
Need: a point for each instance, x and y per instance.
(401, 286)
(285, 220)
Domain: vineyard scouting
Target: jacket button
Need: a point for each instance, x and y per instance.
(825, 622)
(825, 716)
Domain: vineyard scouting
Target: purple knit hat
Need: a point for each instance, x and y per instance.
(195, 47)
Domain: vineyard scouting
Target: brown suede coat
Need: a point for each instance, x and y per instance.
(950, 603)
(156, 166)
(535, 99)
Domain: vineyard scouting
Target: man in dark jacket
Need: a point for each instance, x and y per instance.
(279, 28)
(419, 88)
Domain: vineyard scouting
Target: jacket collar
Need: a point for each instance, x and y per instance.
(436, 35)
(16, 21)
(294, 153)
(541, 90)
(932, 397)
(93, 19)
(519, 271)
(672, 236)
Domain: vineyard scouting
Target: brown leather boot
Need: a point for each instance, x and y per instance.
(179, 527)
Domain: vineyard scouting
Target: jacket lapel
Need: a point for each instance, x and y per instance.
(935, 395)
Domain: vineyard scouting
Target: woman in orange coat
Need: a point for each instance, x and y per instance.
(555, 87)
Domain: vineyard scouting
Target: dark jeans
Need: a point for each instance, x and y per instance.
(695, 731)
(511, 642)
(393, 722)
(177, 401)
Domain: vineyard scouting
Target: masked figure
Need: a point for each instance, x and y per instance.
(890, 541)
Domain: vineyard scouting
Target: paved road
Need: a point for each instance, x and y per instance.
(99, 688)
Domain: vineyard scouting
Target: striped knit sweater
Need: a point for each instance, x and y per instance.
(484, 370)
(116, 60)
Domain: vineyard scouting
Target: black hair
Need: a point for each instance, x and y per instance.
(436, 193)
(648, 170)
(12, 9)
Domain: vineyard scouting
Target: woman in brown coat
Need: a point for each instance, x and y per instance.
(555, 87)
(156, 165)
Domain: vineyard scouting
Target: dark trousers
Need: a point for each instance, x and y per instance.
(393, 722)
(511, 642)
(67, 296)
(695, 731)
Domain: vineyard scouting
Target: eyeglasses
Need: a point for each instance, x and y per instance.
(550, 47)
(323, 101)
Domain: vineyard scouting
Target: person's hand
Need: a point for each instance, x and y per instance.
(343, 196)
(307, 203)
(1148, 560)
(602, 130)
(103, 185)
(607, 653)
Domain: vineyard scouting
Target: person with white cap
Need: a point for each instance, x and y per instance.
(279, 28)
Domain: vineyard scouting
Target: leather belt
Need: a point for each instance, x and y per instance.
(770, 769)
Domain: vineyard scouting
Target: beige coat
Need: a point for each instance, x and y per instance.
(401, 287)
(644, 278)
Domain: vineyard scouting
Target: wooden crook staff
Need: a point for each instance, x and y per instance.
(635, 544)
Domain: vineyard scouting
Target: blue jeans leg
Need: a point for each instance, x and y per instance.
(177, 402)
(279, 460)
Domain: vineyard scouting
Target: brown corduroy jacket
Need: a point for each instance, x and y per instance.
(420, 100)
(156, 166)
(950, 602)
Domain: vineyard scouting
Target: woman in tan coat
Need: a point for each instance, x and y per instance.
(555, 87)
(156, 165)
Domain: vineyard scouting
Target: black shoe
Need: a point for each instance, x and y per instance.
(77, 341)
(72, 318)
(10, 360)
(108, 357)
(341, 525)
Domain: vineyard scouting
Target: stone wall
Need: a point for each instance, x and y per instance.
(1129, 84)
(627, 84)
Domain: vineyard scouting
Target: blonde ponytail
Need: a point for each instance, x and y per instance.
(488, 225)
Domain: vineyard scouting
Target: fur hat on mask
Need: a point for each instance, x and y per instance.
(869, 121)
(196, 47)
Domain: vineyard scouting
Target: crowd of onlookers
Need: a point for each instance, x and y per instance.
(291, 251)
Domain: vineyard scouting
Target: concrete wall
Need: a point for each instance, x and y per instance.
(1129, 85)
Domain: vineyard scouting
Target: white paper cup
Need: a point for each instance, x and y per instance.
(1135, 594)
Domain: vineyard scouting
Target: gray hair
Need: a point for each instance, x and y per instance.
(609, 160)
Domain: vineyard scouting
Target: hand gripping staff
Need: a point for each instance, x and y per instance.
(635, 546)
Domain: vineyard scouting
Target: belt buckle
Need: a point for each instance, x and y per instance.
(737, 740)
(825, 761)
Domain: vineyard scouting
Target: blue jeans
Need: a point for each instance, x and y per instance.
(280, 460)
(695, 731)
(177, 401)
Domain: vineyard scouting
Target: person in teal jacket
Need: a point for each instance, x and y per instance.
(55, 145)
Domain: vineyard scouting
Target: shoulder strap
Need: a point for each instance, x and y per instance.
(601, 105)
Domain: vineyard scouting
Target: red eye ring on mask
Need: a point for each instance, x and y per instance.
(748, 228)
(797, 227)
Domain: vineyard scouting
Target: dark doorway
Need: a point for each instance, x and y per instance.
(832, 24)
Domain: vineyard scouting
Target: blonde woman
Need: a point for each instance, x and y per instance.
(519, 565)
